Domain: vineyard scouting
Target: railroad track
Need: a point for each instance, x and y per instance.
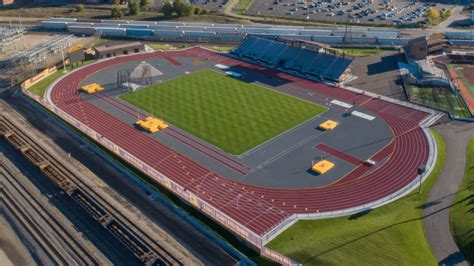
(44, 226)
(148, 250)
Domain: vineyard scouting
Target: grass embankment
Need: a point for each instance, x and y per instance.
(390, 235)
(40, 87)
(242, 6)
(226, 112)
(462, 210)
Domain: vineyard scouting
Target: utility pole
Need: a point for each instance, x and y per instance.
(64, 63)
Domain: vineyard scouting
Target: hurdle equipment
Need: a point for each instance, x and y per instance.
(151, 124)
(322, 167)
(92, 88)
(328, 125)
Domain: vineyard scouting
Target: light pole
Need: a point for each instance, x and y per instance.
(421, 171)
(64, 64)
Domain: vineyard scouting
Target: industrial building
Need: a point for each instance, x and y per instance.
(106, 51)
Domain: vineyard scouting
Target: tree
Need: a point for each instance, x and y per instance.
(197, 10)
(167, 9)
(80, 8)
(144, 3)
(445, 13)
(182, 9)
(432, 15)
(116, 11)
(133, 7)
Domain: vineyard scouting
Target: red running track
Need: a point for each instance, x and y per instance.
(258, 208)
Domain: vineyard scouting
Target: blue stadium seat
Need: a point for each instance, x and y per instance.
(307, 62)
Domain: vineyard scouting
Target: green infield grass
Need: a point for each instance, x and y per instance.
(462, 210)
(226, 112)
(390, 235)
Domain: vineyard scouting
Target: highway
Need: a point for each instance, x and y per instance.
(197, 243)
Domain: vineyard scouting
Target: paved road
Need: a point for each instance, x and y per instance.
(196, 242)
(436, 212)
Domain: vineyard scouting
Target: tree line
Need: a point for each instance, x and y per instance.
(177, 8)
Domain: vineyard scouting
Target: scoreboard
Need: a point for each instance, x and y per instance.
(76, 54)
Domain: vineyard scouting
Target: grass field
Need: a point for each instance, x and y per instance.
(228, 113)
(390, 235)
(362, 51)
(462, 211)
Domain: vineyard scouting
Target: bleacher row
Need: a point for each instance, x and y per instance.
(277, 54)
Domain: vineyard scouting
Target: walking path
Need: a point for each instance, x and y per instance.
(436, 212)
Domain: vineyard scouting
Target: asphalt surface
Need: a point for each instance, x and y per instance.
(436, 212)
(323, 13)
(197, 243)
(379, 74)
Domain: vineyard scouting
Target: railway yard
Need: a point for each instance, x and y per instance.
(53, 234)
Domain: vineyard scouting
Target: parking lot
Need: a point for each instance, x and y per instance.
(360, 11)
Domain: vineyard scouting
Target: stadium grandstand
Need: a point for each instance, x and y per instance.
(312, 63)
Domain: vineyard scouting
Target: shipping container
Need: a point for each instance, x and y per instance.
(54, 25)
(81, 30)
(139, 32)
(113, 32)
